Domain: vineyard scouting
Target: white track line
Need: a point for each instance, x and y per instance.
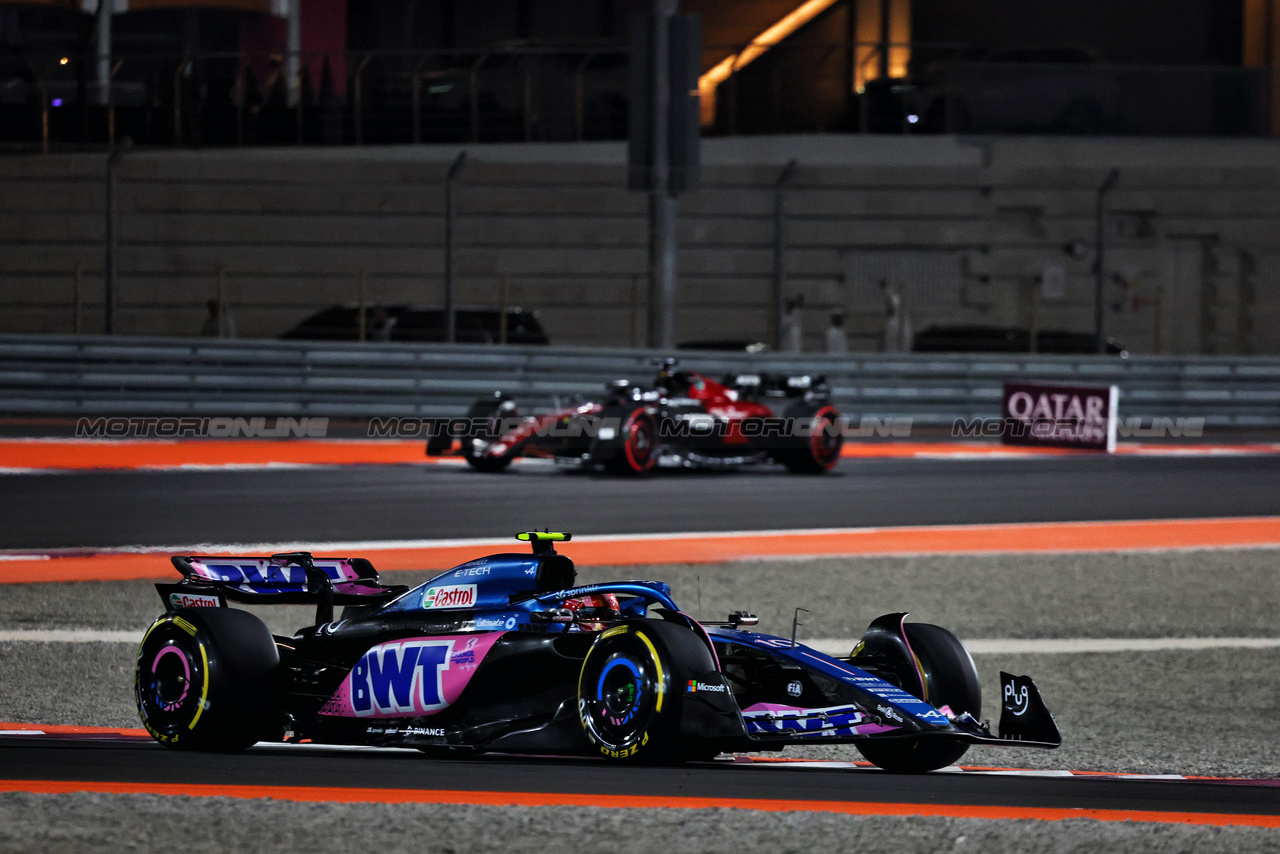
(70, 636)
(1072, 646)
(740, 760)
(830, 646)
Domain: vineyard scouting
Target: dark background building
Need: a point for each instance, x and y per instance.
(215, 71)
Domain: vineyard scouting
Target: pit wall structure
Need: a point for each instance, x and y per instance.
(968, 230)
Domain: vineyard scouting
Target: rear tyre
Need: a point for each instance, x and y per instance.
(206, 680)
(639, 444)
(630, 698)
(820, 450)
(951, 679)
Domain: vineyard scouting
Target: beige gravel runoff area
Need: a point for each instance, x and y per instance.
(1193, 712)
(92, 823)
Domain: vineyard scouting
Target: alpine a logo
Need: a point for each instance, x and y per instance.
(695, 687)
(450, 596)
(404, 677)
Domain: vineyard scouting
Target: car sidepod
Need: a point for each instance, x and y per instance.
(503, 690)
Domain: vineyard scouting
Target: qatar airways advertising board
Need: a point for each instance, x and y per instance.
(1060, 416)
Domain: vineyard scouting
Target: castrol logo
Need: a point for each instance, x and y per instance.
(192, 600)
(450, 596)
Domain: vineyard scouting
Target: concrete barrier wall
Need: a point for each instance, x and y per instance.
(964, 228)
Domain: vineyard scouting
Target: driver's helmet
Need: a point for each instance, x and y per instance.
(620, 391)
(675, 382)
(594, 608)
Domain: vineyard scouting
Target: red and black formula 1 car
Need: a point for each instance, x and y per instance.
(506, 653)
(684, 420)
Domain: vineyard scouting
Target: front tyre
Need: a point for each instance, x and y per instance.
(491, 465)
(206, 680)
(951, 679)
(494, 409)
(630, 700)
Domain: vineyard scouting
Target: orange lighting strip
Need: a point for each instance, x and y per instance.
(784, 27)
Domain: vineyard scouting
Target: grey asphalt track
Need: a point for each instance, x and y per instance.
(27, 759)
(427, 502)
(393, 502)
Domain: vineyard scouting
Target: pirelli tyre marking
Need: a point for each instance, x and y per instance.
(167, 676)
(621, 692)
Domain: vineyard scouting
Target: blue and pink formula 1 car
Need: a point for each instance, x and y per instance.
(505, 653)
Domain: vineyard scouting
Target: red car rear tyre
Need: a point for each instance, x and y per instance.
(639, 453)
(821, 450)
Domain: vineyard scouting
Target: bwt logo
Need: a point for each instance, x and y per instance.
(269, 574)
(394, 678)
(834, 721)
(452, 596)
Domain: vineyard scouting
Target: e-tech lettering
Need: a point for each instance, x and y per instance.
(402, 677)
(475, 568)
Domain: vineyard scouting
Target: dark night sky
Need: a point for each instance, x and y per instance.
(1158, 32)
(1174, 32)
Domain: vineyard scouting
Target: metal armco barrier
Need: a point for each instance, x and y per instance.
(98, 375)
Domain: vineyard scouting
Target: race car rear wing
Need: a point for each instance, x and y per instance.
(777, 385)
(292, 578)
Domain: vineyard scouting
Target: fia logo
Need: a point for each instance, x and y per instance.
(794, 689)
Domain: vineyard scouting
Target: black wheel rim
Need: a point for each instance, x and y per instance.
(170, 680)
(619, 699)
(824, 440)
(640, 443)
